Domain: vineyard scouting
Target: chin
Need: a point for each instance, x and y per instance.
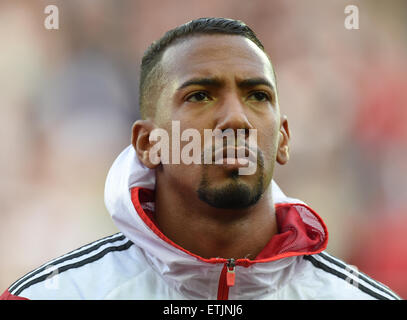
(234, 193)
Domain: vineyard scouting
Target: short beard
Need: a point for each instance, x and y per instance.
(234, 195)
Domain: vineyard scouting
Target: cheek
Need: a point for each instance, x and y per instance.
(182, 176)
(269, 150)
(268, 144)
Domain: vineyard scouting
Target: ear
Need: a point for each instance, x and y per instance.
(141, 141)
(283, 154)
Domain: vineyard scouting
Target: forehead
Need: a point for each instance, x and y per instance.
(216, 55)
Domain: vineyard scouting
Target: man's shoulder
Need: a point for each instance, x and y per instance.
(340, 280)
(88, 272)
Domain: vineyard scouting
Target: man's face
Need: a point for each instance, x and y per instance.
(220, 82)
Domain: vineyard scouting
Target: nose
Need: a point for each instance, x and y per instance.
(232, 115)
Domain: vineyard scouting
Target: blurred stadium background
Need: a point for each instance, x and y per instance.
(69, 98)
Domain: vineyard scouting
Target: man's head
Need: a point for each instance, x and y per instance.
(212, 73)
(151, 71)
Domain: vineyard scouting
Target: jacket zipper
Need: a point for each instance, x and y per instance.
(226, 279)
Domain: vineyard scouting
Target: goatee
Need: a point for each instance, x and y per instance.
(236, 194)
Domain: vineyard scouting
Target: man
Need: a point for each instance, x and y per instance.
(199, 229)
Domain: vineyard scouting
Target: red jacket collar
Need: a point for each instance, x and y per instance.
(300, 230)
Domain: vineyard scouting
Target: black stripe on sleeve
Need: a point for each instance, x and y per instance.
(69, 256)
(322, 266)
(78, 264)
(360, 275)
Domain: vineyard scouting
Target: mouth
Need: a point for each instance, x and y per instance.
(234, 157)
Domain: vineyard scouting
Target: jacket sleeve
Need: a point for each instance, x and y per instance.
(8, 296)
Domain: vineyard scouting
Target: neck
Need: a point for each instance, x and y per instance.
(210, 232)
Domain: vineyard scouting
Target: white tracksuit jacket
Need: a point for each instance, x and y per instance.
(142, 263)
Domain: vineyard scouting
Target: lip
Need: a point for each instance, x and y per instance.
(235, 161)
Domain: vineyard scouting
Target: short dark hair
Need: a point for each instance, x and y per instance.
(150, 71)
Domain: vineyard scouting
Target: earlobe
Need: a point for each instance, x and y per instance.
(141, 142)
(283, 152)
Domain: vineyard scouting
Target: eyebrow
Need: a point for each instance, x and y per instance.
(215, 82)
(253, 82)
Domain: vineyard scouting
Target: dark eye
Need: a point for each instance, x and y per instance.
(198, 96)
(260, 96)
